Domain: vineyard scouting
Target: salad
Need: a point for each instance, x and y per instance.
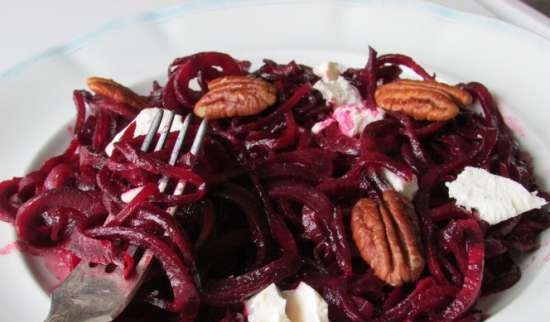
(329, 193)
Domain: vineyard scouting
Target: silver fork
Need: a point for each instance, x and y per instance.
(91, 294)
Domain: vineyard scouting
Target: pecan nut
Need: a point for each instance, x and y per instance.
(387, 236)
(116, 92)
(423, 100)
(231, 96)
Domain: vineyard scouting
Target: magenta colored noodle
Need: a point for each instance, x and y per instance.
(269, 202)
(183, 287)
(369, 78)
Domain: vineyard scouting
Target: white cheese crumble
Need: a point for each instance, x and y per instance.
(335, 88)
(329, 71)
(267, 306)
(129, 195)
(320, 126)
(408, 188)
(351, 119)
(349, 112)
(143, 122)
(495, 198)
(304, 304)
(338, 92)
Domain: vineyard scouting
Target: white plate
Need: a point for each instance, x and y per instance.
(35, 96)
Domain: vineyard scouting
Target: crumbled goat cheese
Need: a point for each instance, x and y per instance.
(129, 195)
(267, 306)
(351, 119)
(329, 71)
(335, 88)
(349, 112)
(408, 188)
(304, 304)
(495, 198)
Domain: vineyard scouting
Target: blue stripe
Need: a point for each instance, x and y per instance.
(162, 15)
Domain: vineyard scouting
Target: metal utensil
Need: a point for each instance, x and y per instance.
(90, 293)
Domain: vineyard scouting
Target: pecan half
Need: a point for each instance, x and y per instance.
(116, 92)
(387, 236)
(235, 96)
(423, 100)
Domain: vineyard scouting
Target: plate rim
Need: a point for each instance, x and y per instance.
(158, 15)
(163, 15)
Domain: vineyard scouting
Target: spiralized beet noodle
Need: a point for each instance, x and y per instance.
(269, 202)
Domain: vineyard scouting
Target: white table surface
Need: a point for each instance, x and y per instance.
(28, 27)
